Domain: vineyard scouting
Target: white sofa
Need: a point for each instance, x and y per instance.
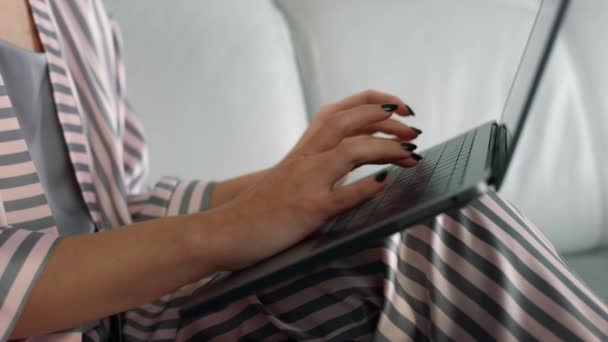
(237, 81)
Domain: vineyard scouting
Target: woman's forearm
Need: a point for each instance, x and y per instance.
(93, 276)
(226, 190)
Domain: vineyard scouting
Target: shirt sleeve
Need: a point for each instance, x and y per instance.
(169, 196)
(23, 252)
(23, 255)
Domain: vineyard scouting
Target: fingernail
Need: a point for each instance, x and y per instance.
(410, 110)
(409, 146)
(416, 157)
(389, 107)
(380, 177)
(418, 132)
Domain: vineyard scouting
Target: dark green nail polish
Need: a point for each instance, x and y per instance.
(410, 110)
(380, 177)
(389, 107)
(418, 132)
(416, 157)
(409, 146)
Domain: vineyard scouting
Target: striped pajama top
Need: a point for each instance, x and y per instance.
(106, 148)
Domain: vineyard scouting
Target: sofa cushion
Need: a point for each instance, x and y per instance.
(215, 83)
(592, 267)
(454, 63)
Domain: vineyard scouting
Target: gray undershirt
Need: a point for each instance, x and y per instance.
(28, 85)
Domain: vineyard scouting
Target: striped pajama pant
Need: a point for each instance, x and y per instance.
(483, 272)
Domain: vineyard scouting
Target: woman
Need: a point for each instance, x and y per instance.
(72, 164)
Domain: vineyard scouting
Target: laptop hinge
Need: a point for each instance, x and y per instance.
(500, 156)
(492, 148)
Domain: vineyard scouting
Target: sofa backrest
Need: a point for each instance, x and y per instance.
(215, 83)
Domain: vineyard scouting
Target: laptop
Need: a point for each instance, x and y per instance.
(450, 175)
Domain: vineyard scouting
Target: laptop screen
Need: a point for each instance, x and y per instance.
(531, 68)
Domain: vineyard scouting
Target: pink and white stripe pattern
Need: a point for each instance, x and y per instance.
(106, 147)
(478, 273)
(27, 230)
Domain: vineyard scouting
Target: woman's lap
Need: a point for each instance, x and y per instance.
(482, 272)
(322, 303)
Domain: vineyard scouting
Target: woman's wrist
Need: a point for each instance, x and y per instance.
(235, 235)
(227, 190)
(210, 237)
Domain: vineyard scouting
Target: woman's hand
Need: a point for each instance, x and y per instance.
(347, 106)
(225, 191)
(298, 195)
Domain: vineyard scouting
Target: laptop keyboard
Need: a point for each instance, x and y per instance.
(441, 170)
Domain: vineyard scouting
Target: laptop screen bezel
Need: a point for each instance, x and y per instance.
(524, 87)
